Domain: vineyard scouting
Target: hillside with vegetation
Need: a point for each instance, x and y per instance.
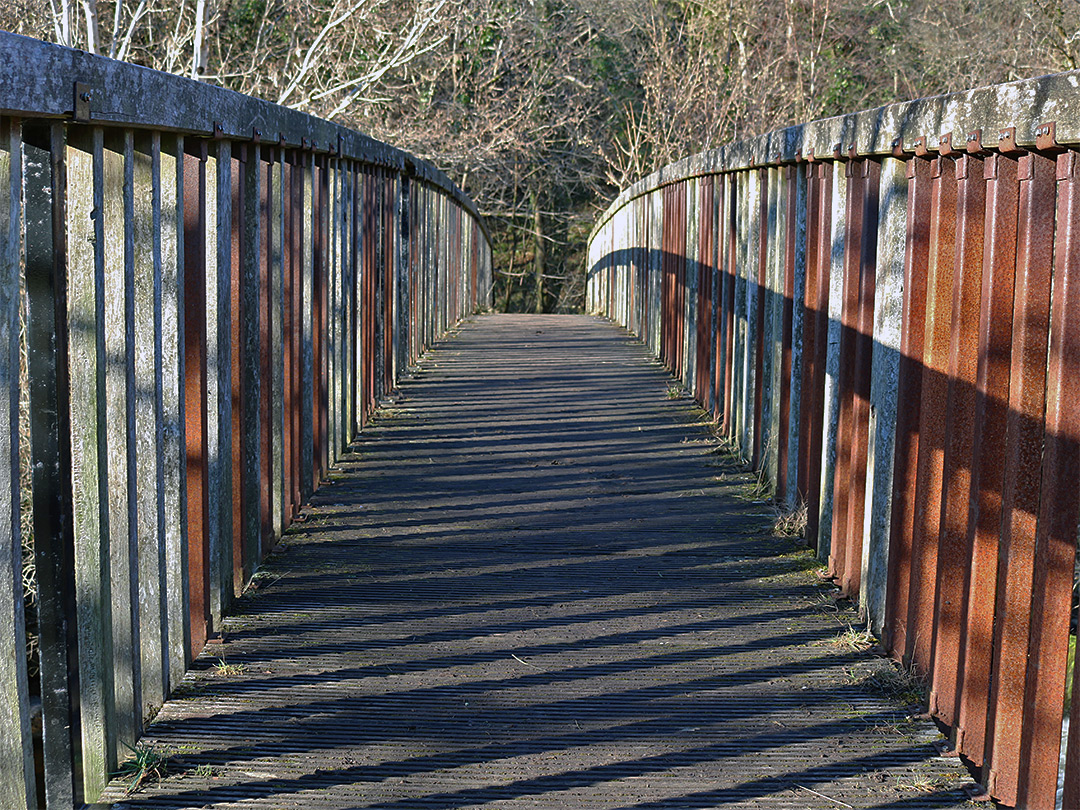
(543, 110)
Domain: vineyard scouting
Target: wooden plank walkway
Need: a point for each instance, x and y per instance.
(534, 585)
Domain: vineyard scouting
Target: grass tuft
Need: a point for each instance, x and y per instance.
(145, 762)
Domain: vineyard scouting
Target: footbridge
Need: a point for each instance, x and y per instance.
(289, 519)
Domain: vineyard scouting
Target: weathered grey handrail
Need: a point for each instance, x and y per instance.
(202, 298)
(880, 311)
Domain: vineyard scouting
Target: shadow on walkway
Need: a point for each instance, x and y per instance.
(532, 584)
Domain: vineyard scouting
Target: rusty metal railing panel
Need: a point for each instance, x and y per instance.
(928, 371)
(843, 477)
(1021, 488)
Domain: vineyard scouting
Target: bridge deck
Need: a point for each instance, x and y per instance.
(534, 584)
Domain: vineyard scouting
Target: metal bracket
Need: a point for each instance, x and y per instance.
(84, 94)
(945, 147)
(1007, 141)
(974, 143)
(1046, 137)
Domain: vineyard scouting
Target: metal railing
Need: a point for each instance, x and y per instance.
(881, 312)
(202, 298)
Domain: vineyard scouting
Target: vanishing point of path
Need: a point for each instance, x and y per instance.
(534, 584)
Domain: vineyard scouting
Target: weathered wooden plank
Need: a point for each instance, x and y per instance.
(173, 449)
(218, 526)
(798, 318)
(405, 290)
(333, 257)
(251, 445)
(36, 78)
(219, 347)
(277, 343)
(884, 382)
(266, 193)
(349, 284)
(89, 450)
(831, 416)
(309, 218)
(143, 228)
(242, 566)
(17, 785)
(45, 217)
(691, 245)
(119, 330)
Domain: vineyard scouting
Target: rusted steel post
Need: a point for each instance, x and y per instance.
(817, 325)
(1021, 490)
(862, 366)
(845, 369)
(195, 395)
(988, 452)
(956, 492)
(927, 513)
(909, 401)
(1059, 510)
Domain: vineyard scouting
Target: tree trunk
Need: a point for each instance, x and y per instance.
(510, 271)
(538, 250)
(93, 38)
(198, 57)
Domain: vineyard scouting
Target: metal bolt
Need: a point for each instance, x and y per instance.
(258, 133)
(86, 96)
(896, 142)
(1003, 135)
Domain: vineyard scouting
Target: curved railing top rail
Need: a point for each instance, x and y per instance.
(35, 81)
(1031, 113)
